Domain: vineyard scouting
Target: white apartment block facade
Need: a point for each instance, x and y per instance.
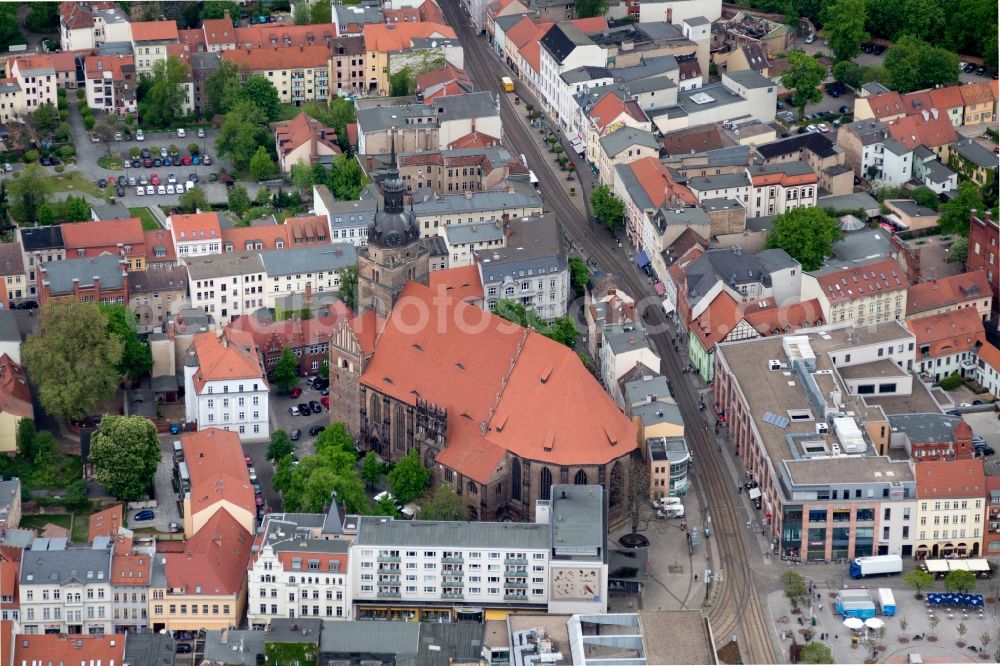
(237, 405)
(227, 286)
(66, 591)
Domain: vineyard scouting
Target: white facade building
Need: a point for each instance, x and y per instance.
(349, 220)
(227, 285)
(65, 590)
(300, 270)
(564, 47)
(624, 346)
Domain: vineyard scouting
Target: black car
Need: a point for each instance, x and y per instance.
(981, 71)
(102, 183)
(212, 177)
(145, 152)
(45, 161)
(257, 490)
(316, 429)
(183, 648)
(122, 181)
(136, 163)
(987, 451)
(801, 130)
(176, 161)
(315, 406)
(953, 412)
(27, 305)
(845, 109)
(230, 184)
(878, 49)
(304, 409)
(320, 383)
(295, 435)
(867, 47)
(119, 192)
(157, 162)
(127, 136)
(193, 177)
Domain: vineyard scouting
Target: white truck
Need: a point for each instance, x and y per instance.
(876, 565)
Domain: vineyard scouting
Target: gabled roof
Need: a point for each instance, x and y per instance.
(626, 137)
(913, 131)
(11, 259)
(159, 240)
(104, 234)
(60, 275)
(385, 38)
(290, 333)
(214, 560)
(225, 357)
(525, 30)
(977, 93)
(947, 333)
(847, 284)
(219, 31)
(96, 65)
(948, 97)
(279, 57)
(886, 104)
(291, 134)
(154, 31)
(15, 396)
(611, 107)
(460, 284)
(950, 479)
(990, 355)
(105, 523)
(68, 648)
(562, 39)
(473, 140)
(951, 290)
(193, 227)
(778, 320)
(218, 472)
(650, 180)
(131, 569)
(442, 75)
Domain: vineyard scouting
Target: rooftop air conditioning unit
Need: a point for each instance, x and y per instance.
(774, 364)
(822, 428)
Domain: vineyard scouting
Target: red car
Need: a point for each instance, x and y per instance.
(247, 460)
(186, 161)
(154, 180)
(325, 401)
(296, 392)
(258, 500)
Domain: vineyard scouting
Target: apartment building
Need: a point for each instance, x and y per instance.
(308, 339)
(931, 436)
(227, 286)
(225, 385)
(951, 499)
(39, 244)
(196, 234)
(860, 293)
(150, 40)
(86, 25)
(299, 73)
(947, 343)
(382, 40)
(12, 275)
(204, 585)
(611, 113)
(131, 569)
(988, 367)
(418, 127)
(565, 47)
(458, 170)
(466, 240)
(780, 187)
(826, 159)
(304, 270)
(429, 570)
(155, 295)
(219, 481)
(980, 101)
(669, 460)
(797, 408)
(984, 249)
(299, 569)
(874, 153)
(102, 279)
(348, 220)
(624, 346)
(111, 83)
(306, 140)
(433, 214)
(36, 77)
(123, 239)
(531, 269)
(65, 590)
(623, 146)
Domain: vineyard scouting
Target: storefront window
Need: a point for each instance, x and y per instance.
(864, 537)
(791, 532)
(817, 544)
(817, 515)
(841, 538)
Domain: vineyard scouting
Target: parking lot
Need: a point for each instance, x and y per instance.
(281, 419)
(167, 509)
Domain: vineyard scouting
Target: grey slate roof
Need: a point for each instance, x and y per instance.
(224, 265)
(925, 427)
(452, 107)
(485, 200)
(173, 278)
(11, 260)
(388, 533)
(60, 274)
(653, 413)
(578, 520)
(295, 526)
(789, 168)
(41, 238)
(639, 390)
(697, 20)
(370, 637)
(719, 182)
(647, 67)
(59, 567)
(473, 232)
(446, 643)
(860, 247)
(814, 142)
(749, 78)
(562, 39)
(874, 88)
(912, 208)
(534, 245)
(776, 259)
(505, 23)
(896, 147)
(861, 200)
(8, 489)
(733, 268)
(586, 73)
(152, 649)
(115, 211)
(938, 172)
(309, 259)
(975, 153)
(626, 337)
(229, 653)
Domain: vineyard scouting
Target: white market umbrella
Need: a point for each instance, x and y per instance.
(854, 623)
(851, 223)
(874, 623)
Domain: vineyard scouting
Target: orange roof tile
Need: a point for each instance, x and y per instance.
(525, 30)
(68, 649)
(105, 523)
(214, 561)
(474, 140)
(655, 180)
(196, 226)
(159, 238)
(950, 478)
(279, 57)
(398, 36)
(915, 102)
(611, 107)
(949, 97)
(307, 230)
(950, 290)
(154, 31)
(401, 15)
(10, 567)
(782, 178)
(460, 284)
(886, 104)
(990, 355)
(219, 31)
(848, 284)
(192, 39)
(550, 408)
(777, 320)
(289, 333)
(291, 134)
(225, 357)
(131, 569)
(977, 93)
(65, 61)
(914, 131)
(243, 239)
(96, 65)
(286, 557)
(28, 63)
(76, 15)
(430, 12)
(717, 321)
(218, 472)
(15, 395)
(592, 24)
(947, 333)
(441, 75)
(104, 234)
(282, 34)
(367, 328)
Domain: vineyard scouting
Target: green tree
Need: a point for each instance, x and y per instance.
(161, 105)
(844, 25)
(951, 382)
(589, 8)
(43, 17)
(221, 87)
(28, 191)
(334, 443)
(46, 214)
(300, 13)
(194, 200)
(849, 73)
(349, 287)
(409, 478)
(125, 453)
(960, 581)
(579, 275)
(816, 653)
(346, 178)
(442, 503)
(137, 360)
(386, 507)
(77, 209)
(5, 224)
(918, 579)
(73, 359)
(990, 191)
(26, 434)
(44, 450)
(280, 445)
(912, 64)
(260, 92)
(321, 13)
(45, 119)
(302, 175)
(794, 588)
(282, 479)
(959, 250)
(242, 132)
(216, 9)
(401, 83)
(926, 197)
(286, 370)
(371, 469)
(238, 199)
(261, 164)
(608, 208)
(807, 234)
(336, 116)
(955, 213)
(9, 33)
(804, 75)
(564, 331)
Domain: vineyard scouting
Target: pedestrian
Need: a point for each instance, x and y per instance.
(696, 576)
(836, 637)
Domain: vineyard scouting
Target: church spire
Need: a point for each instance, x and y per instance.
(392, 188)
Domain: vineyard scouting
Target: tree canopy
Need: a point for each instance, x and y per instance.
(74, 359)
(442, 503)
(125, 453)
(562, 329)
(286, 370)
(319, 479)
(816, 653)
(261, 164)
(918, 579)
(28, 192)
(401, 83)
(216, 9)
(608, 208)
(161, 104)
(194, 200)
(137, 359)
(589, 8)
(260, 92)
(221, 87)
(844, 23)
(346, 179)
(409, 478)
(371, 469)
(349, 287)
(804, 75)
(913, 64)
(244, 130)
(807, 234)
(579, 275)
(279, 446)
(960, 581)
(794, 588)
(955, 213)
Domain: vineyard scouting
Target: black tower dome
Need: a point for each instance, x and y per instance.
(393, 224)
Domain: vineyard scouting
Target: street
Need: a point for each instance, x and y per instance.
(737, 609)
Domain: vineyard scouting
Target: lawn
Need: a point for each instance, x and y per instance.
(79, 523)
(75, 181)
(149, 222)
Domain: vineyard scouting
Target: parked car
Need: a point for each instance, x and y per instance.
(136, 163)
(293, 410)
(257, 490)
(176, 161)
(315, 406)
(247, 459)
(304, 409)
(170, 189)
(122, 181)
(193, 177)
(171, 178)
(154, 179)
(316, 429)
(126, 135)
(201, 132)
(325, 401)
(173, 153)
(102, 183)
(183, 648)
(258, 500)
(139, 136)
(186, 161)
(295, 392)
(145, 514)
(987, 451)
(811, 128)
(163, 152)
(325, 391)
(150, 189)
(212, 177)
(181, 133)
(878, 49)
(118, 136)
(206, 160)
(140, 190)
(969, 69)
(173, 527)
(253, 473)
(295, 435)
(157, 162)
(145, 152)
(196, 160)
(119, 191)
(27, 305)
(143, 180)
(161, 189)
(823, 127)
(845, 109)
(131, 181)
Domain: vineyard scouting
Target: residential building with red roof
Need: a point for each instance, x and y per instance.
(306, 140)
(447, 80)
(493, 406)
(124, 239)
(299, 73)
(10, 566)
(196, 234)
(950, 293)
(36, 77)
(381, 40)
(65, 65)
(780, 187)
(610, 114)
(951, 497)
(160, 249)
(526, 29)
(948, 100)
(105, 523)
(225, 385)
(150, 41)
(980, 103)
(947, 343)
(459, 284)
(219, 478)
(885, 107)
(308, 339)
(219, 34)
(499, 8)
(984, 249)
(928, 128)
(204, 585)
(86, 25)
(299, 568)
(131, 575)
(67, 649)
(860, 294)
(111, 83)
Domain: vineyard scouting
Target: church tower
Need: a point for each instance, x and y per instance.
(395, 254)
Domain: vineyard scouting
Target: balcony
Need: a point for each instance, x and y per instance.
(518, 572)
(388, 579)
(452, 559)
(516, 560)
(516, 585)
(388, 558)
(452, 595)
(388, 569)
(515, 597)
(457, 580)
(388, 595)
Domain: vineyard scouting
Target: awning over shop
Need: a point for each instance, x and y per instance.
(668, 306)
(641, 259)
(660, 289)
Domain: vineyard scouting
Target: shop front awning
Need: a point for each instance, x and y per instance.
(668, 306)
(660, 289)
(642, 259)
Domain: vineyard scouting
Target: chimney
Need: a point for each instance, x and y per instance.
(309, 293)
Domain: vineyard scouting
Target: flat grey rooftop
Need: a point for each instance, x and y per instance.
(385, 533)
